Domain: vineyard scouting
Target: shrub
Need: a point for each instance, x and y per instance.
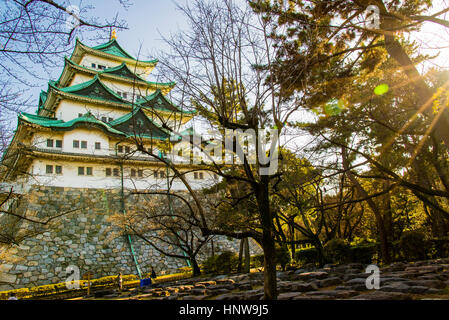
(363, 252)
(413, 245)
(282, 256)
(337, 251)
(257, 261)
(307, 255)
(224, 263)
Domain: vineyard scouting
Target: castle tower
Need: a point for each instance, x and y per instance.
(77, 154)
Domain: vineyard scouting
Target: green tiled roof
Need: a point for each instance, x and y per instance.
(112, 47)
(42, 99)
(60, 124)
(120, 70)
(93, 89)
(156, 131)
(157, 100)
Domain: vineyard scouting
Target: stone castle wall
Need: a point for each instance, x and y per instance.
(84, 238)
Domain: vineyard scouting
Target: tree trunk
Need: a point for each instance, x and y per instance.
(384, 243)
(268, 243)
(239, 266)
(247, 264)
(292, 243)
(195, 268)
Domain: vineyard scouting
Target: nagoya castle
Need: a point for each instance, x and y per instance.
(77, 154)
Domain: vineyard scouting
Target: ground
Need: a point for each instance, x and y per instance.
(400, 281)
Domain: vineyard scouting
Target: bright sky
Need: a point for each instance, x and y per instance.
(147, 20)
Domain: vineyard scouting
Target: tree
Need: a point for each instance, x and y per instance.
(325, 44)
(217, 65)
(165, 224)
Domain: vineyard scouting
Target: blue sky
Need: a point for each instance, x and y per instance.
(146, 20)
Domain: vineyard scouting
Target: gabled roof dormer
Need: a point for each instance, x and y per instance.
(136, 123)
(94, 89)
(158, 101)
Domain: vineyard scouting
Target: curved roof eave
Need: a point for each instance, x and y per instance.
(126, 56)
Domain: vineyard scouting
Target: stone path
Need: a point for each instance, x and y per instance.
(400, 281)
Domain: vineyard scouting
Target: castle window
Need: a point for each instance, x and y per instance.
(140, 173)
(81, 171)
(133, 172)
(94, 65)
(76, 143)
(97, 145)
(120, 149)
(198, 175)
(108, 172)
(58, 169)
(48, 169)
(58, 143)
(161, 174)
(50, 143)
(83, 144)
(89, 171)
(127, 149)
(101, 67)
(104, 119)
(124, 95)
(110, 119)
(80, 115)
(116, 172)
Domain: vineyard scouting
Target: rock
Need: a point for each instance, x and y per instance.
(198, 291)
(225, 281)
(336, 294)
(216, 292)
(229, 296)
(396, 287)
(194, 297)
(329, 282)
(357, 281)
(288, 295)
(351, 276)
(303, 287)
(207, 283)
(317, 297)
(421, 289)
(421, 270)
(436, 284)
(434, 291)
(312, 275)
(245, 286)
(438, 277)
(8, 278)
(379, 295)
